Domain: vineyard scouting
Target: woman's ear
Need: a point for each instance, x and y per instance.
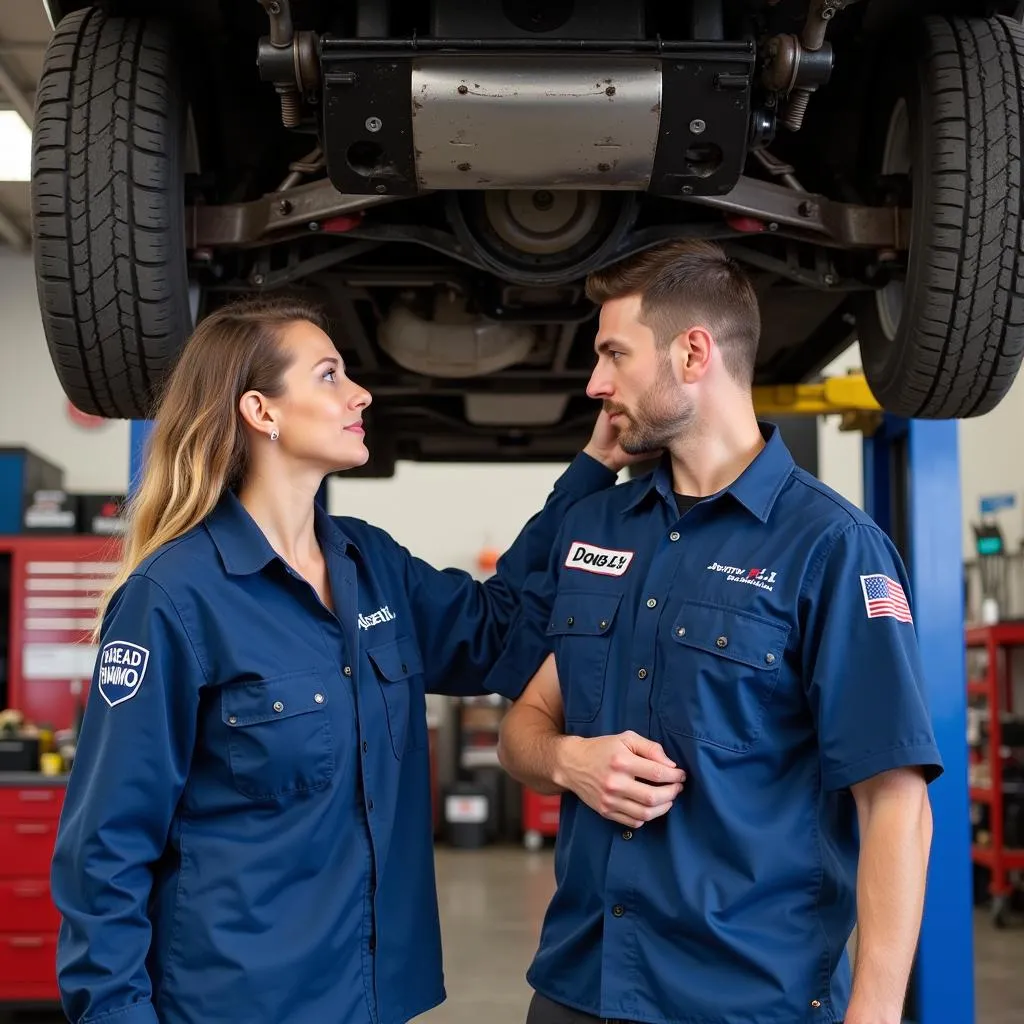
(252, 407)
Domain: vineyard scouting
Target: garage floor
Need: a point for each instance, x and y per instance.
(492, 903)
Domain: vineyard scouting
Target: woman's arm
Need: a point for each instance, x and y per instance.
(130, 768)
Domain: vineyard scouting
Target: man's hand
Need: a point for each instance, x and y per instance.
(626, 778)
(604, 446)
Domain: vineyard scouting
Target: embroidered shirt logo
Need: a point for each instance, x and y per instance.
(121, 669)
(383, 614)
(604, 561)
(762, 578)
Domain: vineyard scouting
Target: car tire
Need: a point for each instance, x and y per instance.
(945, 340)
(107, 197)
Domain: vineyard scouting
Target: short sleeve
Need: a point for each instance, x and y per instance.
(862, 666)
(131, 765)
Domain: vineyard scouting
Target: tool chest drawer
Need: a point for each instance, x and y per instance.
(30, 801)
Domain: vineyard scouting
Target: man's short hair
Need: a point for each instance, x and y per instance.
(685, 283)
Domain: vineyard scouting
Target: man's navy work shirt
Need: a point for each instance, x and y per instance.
(762, 639)
(247, 829)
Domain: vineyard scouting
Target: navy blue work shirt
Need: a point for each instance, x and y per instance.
(764, 639)
(247, 828)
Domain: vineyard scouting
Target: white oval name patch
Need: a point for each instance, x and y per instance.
(604, 561)
(121, 669)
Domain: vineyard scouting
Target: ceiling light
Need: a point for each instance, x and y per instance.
(15, 147)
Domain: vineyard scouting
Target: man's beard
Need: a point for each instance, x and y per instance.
(662, 414)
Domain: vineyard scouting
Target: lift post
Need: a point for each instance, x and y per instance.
(912, 490)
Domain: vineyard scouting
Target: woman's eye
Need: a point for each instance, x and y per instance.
(331, 375)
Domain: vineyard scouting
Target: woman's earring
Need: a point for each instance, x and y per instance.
(274, 435)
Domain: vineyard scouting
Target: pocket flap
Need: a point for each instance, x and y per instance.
(397, 659)
(583, 613)
(740, 636)
(265, 700)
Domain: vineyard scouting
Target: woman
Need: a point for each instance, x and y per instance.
(246, 834)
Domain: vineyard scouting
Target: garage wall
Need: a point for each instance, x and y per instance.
(443, 513)
(33, 409)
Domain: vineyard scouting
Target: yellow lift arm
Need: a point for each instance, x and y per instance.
(849, 397)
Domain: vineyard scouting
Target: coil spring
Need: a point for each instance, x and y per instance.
(796, 109)
(291, 110)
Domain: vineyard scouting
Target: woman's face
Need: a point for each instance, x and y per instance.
(319, 415)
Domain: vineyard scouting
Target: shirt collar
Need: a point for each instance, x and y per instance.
(242, 545)
(756, 488)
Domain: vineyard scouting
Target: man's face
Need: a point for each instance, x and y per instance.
(634, 379)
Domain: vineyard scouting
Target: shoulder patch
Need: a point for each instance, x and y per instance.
(603, 561)
(122, 667)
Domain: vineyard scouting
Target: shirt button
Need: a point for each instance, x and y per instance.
(681, 631)
(642, 674)
(347, 670)
(569, 621)
(722, 641)
(233, 720)
(770, 658)
(627, 835)
(652, 602)
(603, 624)
(278, 706)
(364, 746)
(816, 1004)
(618, 910)
(674, 535)
(318, 697)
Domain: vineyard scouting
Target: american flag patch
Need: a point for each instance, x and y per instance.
(884, 597)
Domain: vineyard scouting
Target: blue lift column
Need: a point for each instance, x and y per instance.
(912, 490)
(138, 436)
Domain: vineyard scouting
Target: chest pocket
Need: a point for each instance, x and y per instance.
(722, 669)
(279, 734)
(580, 630)
(399, 669)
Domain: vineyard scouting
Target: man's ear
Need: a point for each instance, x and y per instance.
(692, 353)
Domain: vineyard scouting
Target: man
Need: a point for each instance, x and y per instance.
(733, 710)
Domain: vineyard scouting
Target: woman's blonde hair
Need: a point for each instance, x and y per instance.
(198, 447)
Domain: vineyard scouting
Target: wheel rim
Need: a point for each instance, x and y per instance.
(895, 160)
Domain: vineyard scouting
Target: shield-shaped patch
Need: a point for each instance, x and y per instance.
(122, 667)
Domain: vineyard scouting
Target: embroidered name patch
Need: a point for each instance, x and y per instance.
(604, 561)
(122, 667)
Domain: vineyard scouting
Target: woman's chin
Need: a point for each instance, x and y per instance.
(353, 459)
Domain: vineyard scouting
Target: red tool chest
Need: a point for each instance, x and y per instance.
(55, 586)
(29, 811)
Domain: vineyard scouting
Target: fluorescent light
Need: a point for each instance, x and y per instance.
(15, 147)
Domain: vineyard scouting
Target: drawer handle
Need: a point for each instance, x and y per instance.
(29, 891)
(36, 796)
(27, 942)
(23, 829)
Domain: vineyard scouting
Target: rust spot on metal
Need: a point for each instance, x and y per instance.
(603, 168)
(465, 167)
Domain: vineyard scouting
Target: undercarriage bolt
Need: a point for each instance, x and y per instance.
(284, 207)
(374, 124)
(697, 126)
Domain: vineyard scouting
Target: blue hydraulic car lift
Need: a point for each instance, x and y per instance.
(912, 490)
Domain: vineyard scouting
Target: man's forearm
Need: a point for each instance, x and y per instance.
(530, 748)
(895, 841)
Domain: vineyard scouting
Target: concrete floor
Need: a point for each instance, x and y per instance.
(492, 903)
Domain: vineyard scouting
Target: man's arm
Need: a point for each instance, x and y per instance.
(896, 833)
(865, 688)
(626, 778)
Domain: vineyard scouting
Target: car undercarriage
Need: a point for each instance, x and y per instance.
(442, 179)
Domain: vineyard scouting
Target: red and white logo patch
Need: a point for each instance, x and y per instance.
(603, 561)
